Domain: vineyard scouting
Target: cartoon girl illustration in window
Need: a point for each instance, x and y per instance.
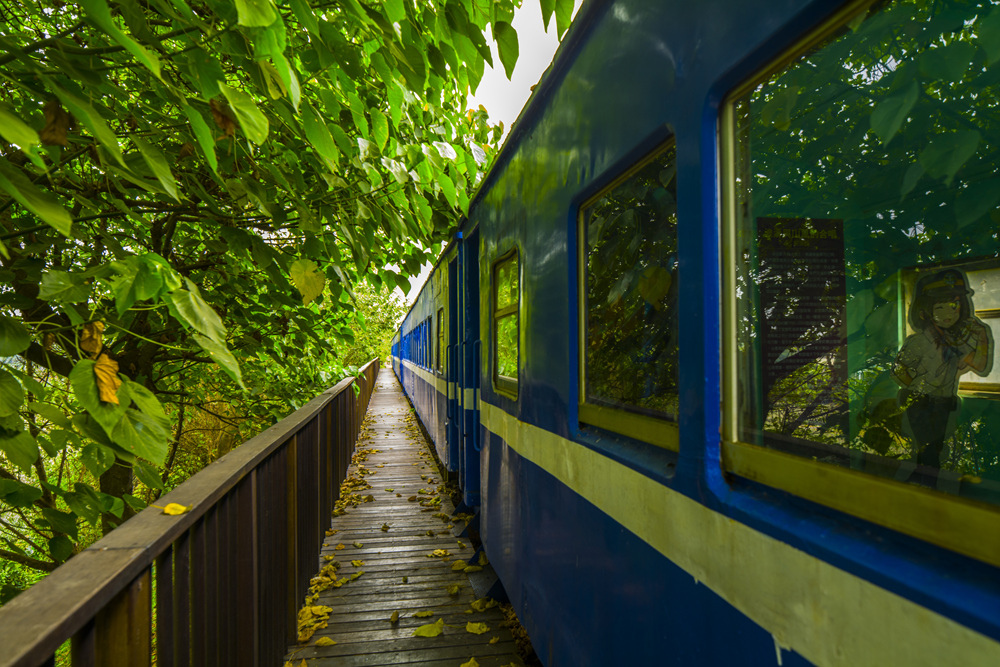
(949, 342)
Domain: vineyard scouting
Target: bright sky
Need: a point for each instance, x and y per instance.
(504, 99)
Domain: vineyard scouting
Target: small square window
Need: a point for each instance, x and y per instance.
(506, 326)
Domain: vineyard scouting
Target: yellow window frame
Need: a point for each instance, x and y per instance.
(504, 384)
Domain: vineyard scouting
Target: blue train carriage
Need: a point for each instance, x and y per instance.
(437, 361)
(739, 400)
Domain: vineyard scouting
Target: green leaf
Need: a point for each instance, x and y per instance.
(154, 158)
(84, 384)
(62, 522)
(290, 79)
(60, 548)
(395, 95)
(564, 16)
(14, 130)
(147, 474)
(448, 189)
(395, 11)
(11, 394)
(204, 136)
(18, 494)
(506, 38)
(548, 8)
(221, 355)
(21, 450)
(910, 179)
(14, 338)
(319, 136)
(51, 413)
(948, 63)
(255, 13)
(890, 113)
(142, 435)
(946, 153)
(253, 122)
(63, 287)
(188, 307)
(84, 503)
(976, 200)
(42, 204)
(307, 278)
(358, 114)
(86, 114)
(988, 33)
(97, 458)
(147, 402)
(137, 504)
(380, 129)
(304, 13)
(100, 14)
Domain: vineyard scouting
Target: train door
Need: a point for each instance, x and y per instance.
(452, 423)
(470, 370)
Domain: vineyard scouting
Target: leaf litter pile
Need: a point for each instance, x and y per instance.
(393, 580)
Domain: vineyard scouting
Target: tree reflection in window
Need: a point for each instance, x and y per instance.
(506, 298)
(630, 274)
(887, 131)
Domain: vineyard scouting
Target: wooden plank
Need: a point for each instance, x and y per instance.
(395, 456)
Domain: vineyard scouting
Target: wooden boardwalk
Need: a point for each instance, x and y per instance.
(395, 531)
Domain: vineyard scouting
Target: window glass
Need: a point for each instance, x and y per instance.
(440, 340)
(866, 207)
(630, 320)
(506, 298)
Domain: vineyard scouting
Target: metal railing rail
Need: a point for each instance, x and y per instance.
(228, 576)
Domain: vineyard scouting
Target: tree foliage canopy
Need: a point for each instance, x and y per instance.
(189, 189)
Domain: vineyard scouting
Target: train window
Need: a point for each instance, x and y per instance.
(862, 309)
(506, 308)
(628, 310)
(440, 340)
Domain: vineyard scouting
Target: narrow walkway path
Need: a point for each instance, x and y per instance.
(390, 563)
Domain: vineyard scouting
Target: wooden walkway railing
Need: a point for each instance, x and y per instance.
(228, 576)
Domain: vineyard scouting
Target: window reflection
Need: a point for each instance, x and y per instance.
(630, 274)
(866, 178)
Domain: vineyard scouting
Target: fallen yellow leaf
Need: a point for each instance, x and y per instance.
(394, 618)
(339, 547)
(471, 569)
(423, 614)
(483, 560)
(173, 509)
(494, 640)
(454, 588)
(472, 663)
(325, 641)
(385, 527)
(358, 545)
(357, 563)
(430, 630)
(405, 579)
(476, 628)
(459, 565)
